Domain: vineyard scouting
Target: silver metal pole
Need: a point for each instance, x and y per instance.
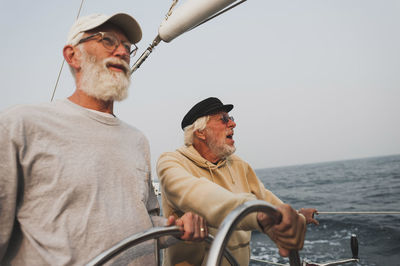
(133, 240)
(152, 233)
(145, 54)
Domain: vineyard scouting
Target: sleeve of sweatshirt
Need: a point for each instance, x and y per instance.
(186, 192)
(8, 187)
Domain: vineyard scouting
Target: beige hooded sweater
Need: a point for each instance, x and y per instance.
(191, 183)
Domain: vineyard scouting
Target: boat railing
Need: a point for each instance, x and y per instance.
(354, 259)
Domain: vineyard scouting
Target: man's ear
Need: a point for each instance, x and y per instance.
(70, 55)
(200, 134)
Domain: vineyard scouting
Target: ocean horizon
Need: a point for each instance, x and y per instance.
(327, 161)
(369, 184)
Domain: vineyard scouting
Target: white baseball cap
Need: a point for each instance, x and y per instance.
(128, 25)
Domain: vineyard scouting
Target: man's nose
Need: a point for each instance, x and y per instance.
(121, 52)
(231, 123)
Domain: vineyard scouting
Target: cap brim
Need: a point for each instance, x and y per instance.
(128, 25)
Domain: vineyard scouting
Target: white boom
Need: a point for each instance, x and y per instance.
(188, 15)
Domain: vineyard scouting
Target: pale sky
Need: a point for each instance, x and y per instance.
(311, 81)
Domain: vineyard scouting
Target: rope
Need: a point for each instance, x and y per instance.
(62, 65)
(383, 212)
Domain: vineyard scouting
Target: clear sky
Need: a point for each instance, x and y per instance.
(311, 80)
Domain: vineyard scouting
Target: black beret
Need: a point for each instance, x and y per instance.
(208, 106)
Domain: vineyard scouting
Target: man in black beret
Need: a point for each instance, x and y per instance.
(204, 176)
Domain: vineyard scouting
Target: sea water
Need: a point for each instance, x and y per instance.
(371, 184)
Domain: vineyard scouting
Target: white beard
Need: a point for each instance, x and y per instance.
(100, 82)
(218, 146)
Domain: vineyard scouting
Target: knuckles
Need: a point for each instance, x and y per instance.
(188, 215)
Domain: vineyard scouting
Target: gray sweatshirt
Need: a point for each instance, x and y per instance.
(72, 184)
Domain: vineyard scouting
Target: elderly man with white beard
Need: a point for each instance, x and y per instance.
(204, 176)
(74, 179)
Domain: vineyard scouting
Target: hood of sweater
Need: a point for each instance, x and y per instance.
(193, 155)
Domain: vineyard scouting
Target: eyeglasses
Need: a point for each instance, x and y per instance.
(111, 42)
(225, 118)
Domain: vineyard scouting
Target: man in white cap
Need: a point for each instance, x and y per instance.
(204, 176)
(75, 179)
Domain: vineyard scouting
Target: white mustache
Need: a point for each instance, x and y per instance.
(117, 61)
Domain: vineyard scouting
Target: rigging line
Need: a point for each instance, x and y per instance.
(62, 65)
(383, 212)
